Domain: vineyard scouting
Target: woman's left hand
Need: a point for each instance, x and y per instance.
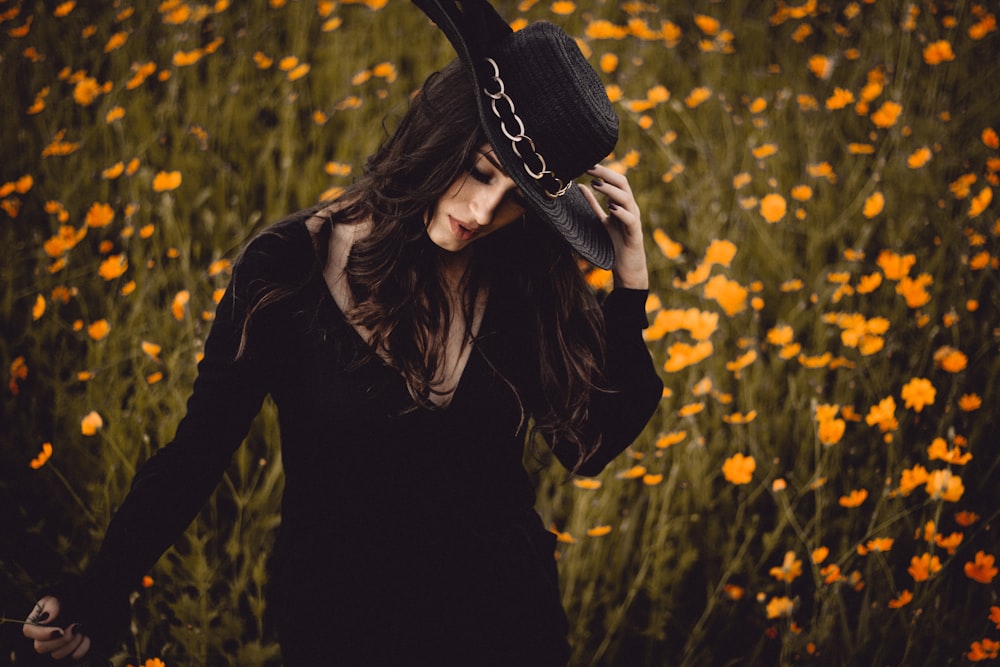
(624, 225)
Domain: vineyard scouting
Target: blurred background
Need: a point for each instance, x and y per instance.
(820, 483)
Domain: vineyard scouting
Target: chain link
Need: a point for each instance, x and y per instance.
(521, 143)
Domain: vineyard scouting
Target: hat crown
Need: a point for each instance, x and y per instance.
(558, 96)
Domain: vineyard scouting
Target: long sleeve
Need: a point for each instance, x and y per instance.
(170, 488)
(619, 414)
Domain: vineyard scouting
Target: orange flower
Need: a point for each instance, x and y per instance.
(91, 423)
(587, 483)
(86, 91)
(883, 415)
(831, 431)
(966, 518)
(738, 469)
(697, 96)
(728, 293)
(690, 409)
(670, 248)
(165, 181)
(179, 303)
(980, 202)
(970, 402)
(99, 215)
(914, 290)
(984, 650)
(938, 52)
(854, 499)
(599, 531)
(667, 439)
(113, 267)
(918, 393)
(635, 472)
(950, 359)
(46, 453)
(779, 607)
(924, 567)
(99, 330)
(938, 451)
(886, 115)
(905, 598)
(773, 207)
(790, 569)
(918, 158)
(820, 66)
(990, 138)
(563, 7)
(682, 355)
(840, 99)
(942, 484)
(982, 569)
(873, 205)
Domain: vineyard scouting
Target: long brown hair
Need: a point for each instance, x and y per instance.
(392, 272)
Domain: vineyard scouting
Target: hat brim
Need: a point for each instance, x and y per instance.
(474, 28)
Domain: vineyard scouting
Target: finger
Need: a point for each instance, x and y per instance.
(82, 649)
(49, 639)
(45, 611)
(617, 195)
(74, 639)
(588, 194)
(609, 175)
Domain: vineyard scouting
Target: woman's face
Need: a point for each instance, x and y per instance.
(478, 203)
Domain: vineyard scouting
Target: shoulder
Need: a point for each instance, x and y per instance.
(283, 252)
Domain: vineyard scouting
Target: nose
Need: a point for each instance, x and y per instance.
(485, 204)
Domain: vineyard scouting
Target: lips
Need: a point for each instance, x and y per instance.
(461, 229)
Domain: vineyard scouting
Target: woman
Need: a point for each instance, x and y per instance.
(413, 335)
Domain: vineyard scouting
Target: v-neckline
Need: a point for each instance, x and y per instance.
(364, 345)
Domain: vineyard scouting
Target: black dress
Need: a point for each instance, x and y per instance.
(408, 536)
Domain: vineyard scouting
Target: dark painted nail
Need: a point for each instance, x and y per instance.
(76, 629)
(56, 634)
(597, 183)
(612, 206)
(44, 616)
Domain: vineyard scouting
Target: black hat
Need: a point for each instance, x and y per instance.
(544, 109)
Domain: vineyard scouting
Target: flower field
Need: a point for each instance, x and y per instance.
(821, 483)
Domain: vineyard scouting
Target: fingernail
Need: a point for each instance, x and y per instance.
(597, 183)
(76, 629)
(44, 616)
(612, 206)
(56, 634)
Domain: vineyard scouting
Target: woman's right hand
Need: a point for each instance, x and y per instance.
(50, 638)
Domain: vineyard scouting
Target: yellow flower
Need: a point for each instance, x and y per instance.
(739, 469)
(790, 569)
(164, 181)
(917, 393)
(91, 423)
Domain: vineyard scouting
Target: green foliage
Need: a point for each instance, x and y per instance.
(668, 563)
